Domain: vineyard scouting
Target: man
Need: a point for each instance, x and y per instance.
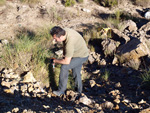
(75, 54)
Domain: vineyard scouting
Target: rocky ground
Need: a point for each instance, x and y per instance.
(122, 93)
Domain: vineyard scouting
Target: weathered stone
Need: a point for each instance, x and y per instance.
(114, 92)
(117, 101)
(109, 46)
(14, 76)
(142, 102)
(36, 85)
(91, 59)
(116, 107)
(15, 110)
(4, 41)
(134, 105)
(130, 53)
(96, 72)
(145, 111)
(14, 82)
(86, 10)
(102, 62)
(92, 83)
(78, 110)
(29, 77)
(115, 60)
(97, 106)
(71, 95)
(23, 88)
(118, 97)
(49, 95)
(59, 53)
(6, 84)
(107, 105)
(46, 106)
(117, 85)
(118, 36)
(85, 100)
(9, 91)
(130, 25)
(30, 89)
(126, 101)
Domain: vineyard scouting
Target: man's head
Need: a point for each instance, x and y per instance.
(58, 33)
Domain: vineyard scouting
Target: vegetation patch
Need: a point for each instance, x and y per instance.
(68, 3)
(107, 3)
(28, 52)
(105, 76)
(145, 77)
(2, 2)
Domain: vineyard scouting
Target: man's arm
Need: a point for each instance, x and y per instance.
(66, 60)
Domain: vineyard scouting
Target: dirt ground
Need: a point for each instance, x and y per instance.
(15, 15)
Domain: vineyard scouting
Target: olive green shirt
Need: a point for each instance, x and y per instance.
(74, 45)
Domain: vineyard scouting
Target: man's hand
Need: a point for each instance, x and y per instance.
(66, 60)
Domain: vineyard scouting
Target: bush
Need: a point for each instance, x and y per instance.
(68, 3)
(105, 75)
(29, 51)
(107, 3)
(145, 77)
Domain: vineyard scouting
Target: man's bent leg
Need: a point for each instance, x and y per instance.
(63, 79)
(77, 77)
(78, 62)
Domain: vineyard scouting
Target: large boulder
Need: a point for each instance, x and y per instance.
(130, 53)
(119, 36)
(109, 46)
(129, 25)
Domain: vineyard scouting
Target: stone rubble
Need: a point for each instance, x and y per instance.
(26, 85)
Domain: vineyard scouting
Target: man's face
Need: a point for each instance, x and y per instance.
(56, 39)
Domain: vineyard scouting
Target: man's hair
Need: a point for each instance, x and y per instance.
(58, 31)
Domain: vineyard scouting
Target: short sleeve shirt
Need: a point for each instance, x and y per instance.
(74, 45)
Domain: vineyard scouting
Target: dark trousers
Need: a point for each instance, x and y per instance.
(75, 65)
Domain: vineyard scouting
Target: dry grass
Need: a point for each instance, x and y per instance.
(144, 3)
(2, 2)
(29, 1)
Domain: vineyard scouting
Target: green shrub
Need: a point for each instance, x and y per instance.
(30, 51)
(119, 16)
(68, 3)
(94, 32)
(145, 77)
(106, 75)
(107, 3)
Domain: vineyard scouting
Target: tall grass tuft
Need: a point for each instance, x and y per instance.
(145, 77)
(107, 3)
(29, 51)
(106, 75)
(68, 3)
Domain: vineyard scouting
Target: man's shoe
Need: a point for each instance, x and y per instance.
(58, 93)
